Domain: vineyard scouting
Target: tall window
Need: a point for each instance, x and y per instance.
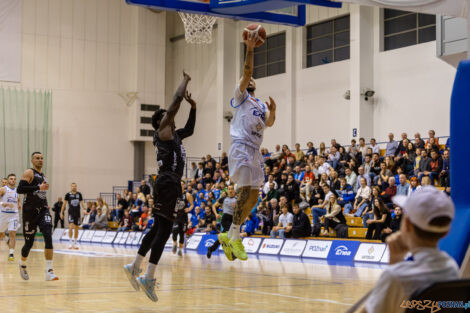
(270, 58)
(402, 28)
(328, 41)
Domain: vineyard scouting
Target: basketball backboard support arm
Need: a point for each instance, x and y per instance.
(262, 17)
(253, 6)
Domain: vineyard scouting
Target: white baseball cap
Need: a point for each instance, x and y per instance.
(424, 205)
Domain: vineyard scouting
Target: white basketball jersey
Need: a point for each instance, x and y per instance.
(10, 197)
(248, 122)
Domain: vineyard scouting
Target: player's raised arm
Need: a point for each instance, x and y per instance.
(26, 179)
(271, 115)
(188, 129)
(250, 43)
(175, 106)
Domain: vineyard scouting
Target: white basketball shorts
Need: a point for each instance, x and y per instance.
(10, 221)
(245, 164)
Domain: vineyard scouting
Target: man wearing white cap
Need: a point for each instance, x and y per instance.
(428, 214)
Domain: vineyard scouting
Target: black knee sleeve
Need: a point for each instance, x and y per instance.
(181, 236)
(175, 234)
(47, 234)
(28, 244)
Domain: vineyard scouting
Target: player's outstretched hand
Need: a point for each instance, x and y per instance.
(186, 76)
(251, 40)
(187, 97)
(271, 104)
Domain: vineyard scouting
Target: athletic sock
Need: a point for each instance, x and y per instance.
(70, 240)
(137, 261)
(235, 229)
(22, 263)
(48, 265)
(12, 251)
(74, 241)
(150, 273)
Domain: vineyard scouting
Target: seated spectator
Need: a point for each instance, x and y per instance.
(195, 218)
(380, 221)
(292, 191)
(361, 202)
(362, 148)
(414, 185)
(299, 154)
(419, 143)
(300, 224)
(266, 185)
(143, 224)
(391, 147)
(394, 224)
(333, 157)
(374, 146)
(323, 167)
(298, 175)
(324, 180)
(209, 221)
(102, 205)
(126, 222)
(284, 228)
(334, 216)
(199, 172)
(361, 175)
(122, 205)
(308, 175)
(101, 220)
(322, 150)
(384, 174)
(143, 216)
(89, 218)
(144, 188)
(320, 209)
(424, 165)
(272, 192)
(351, 177)
(335, 184)
(311, 149)
(345, 193)
(426, 181)
(435, 166)
(136, 210)
(432, 143)
(374, 167)
(427, 219)
(113, 215)
(390, 191)
(369, 211)
(444, 175)
(352, 151)
(403, 187)
(250, 226)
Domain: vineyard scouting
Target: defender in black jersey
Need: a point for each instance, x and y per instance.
(36, 214)
(75, 201)
(180, 225)
(167, 189)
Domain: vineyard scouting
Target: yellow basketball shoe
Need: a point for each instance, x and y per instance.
(238, 249)
(223, 239)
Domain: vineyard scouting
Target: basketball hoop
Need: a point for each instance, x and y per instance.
(197, 28)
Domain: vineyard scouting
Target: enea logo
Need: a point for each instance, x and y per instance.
(209, 243)
(342, 250)
(251, 242)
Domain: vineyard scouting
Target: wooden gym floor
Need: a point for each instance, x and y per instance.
(92, 280)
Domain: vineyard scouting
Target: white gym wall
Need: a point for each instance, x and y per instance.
(87, 52)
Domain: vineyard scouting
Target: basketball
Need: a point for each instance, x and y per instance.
(255, 28)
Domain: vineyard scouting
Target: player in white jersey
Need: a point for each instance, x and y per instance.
(251, 117)
(9, 217)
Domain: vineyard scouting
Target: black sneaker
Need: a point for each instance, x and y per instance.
(209, 253)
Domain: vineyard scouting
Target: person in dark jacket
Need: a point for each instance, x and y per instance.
(444, 175)
(394, 224)
(345, 193)
(424, 165)
(435, 165)
(292, 191)
(301, 225)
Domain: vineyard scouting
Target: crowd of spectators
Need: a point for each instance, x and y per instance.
(328, 184)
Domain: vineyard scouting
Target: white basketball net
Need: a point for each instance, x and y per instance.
(197, 28)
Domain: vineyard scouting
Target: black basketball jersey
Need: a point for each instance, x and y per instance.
(38, 198)
(170, 157)
(181, 205)
(74, 200)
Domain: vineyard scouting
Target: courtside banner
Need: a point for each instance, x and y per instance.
(271, 246)
(57, 235)
(109, 237)
(99, 236)
(65, 235)
(118, 237)
(193, 242)
(293, 247)
(386, 256)
(342, 250)
(87, 235)
(318, 249)
(251, 244)
(130, 238)
(370, 252)
(169, 243)
(137, 239)
(123, 238)
(206, 242)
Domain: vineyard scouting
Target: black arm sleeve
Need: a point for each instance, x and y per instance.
(188, 129)
(23, 187)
